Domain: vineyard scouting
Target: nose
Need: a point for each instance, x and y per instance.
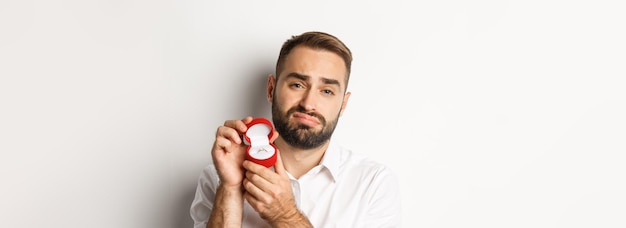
(309, 100)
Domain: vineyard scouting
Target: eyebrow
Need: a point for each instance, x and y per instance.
(302, 77)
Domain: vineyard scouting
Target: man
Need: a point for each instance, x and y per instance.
(315, 182)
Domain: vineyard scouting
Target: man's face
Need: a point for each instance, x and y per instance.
(308, 97)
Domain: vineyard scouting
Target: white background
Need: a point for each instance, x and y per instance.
(493, 113)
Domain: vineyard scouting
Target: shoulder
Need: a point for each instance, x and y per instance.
(377, 182)
(360, 165)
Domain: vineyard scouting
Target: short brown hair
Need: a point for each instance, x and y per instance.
(316, 40)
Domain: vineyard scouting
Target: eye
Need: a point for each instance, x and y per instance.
(296, 85)
(328, 92)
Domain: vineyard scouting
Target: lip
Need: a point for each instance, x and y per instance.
(306, 119)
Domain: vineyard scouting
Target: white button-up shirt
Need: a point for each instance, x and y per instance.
(344, 190)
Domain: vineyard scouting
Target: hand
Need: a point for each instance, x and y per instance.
(228, 152)
(270, 194)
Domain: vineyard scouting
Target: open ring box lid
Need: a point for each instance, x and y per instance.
(257, 137)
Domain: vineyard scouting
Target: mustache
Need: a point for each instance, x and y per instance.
(302, 110)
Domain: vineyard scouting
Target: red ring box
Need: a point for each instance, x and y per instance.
(257, 137)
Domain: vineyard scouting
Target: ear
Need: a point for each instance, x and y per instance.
(271, 85)
(344, 103)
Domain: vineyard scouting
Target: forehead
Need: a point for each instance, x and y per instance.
(318, 64)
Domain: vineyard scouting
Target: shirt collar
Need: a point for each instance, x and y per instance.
(332, 159)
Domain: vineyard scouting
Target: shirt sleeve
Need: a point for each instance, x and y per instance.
(384, 201)
(202, 204)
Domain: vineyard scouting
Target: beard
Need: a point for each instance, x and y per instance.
(300, 135)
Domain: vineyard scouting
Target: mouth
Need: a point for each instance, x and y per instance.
(306, 119)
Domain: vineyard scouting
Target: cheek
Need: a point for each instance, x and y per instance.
(332, 110)
(286, 98)
(284, 102)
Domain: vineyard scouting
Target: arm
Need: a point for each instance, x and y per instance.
(215, 200)
(295, 220)
(228, 210)
(228, 154)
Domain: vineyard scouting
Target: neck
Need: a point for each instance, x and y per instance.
(299, 161)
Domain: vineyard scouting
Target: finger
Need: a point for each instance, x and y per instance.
(255, 191)
(222, 142)
(253, 167)
(247, 195)
(261, 173)
(247, 120)
(278, 166)
(238, 125)
(229, 133)
(254, 202)
(258, 181)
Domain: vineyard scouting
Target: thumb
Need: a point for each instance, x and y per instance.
(278, 166)
(274, 136)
